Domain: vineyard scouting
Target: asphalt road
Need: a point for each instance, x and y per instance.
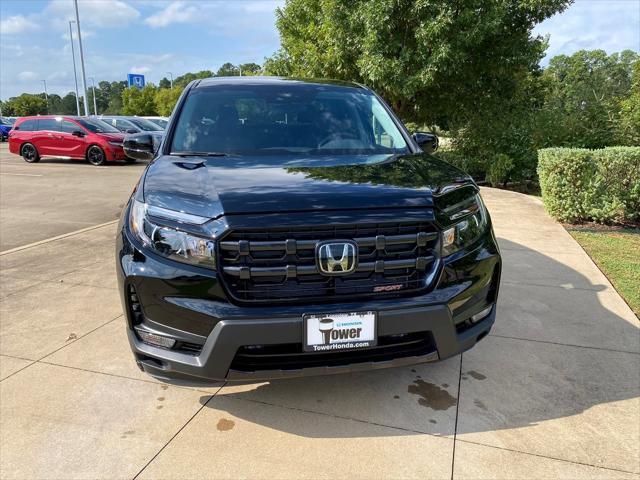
(54, 196)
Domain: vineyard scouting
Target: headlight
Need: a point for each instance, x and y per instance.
(467, 230)
(115, 144)
(168, 241)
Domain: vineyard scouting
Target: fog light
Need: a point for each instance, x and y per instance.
(155, 340)
(480, 315)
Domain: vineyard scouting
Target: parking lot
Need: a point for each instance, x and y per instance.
(552, 392)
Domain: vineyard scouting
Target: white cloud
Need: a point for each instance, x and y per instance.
(98, 13)
(175, 12)
(143, 69)
(611, 26)
(14, 25)
(27, 75)
(85, 34)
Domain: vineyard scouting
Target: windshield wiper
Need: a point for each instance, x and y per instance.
(188, 153)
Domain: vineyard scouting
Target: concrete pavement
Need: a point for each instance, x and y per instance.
(552, 392)
(55, 196)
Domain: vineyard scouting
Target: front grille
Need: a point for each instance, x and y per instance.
(279, 264)
(291, 357)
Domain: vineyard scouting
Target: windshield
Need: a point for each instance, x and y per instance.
(144, 124)
(160, 122)
(97, 126)
(274, 119)
(6, 121)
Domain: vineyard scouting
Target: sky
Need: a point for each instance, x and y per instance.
(154, 37)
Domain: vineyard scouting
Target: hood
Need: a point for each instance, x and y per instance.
(214, 186)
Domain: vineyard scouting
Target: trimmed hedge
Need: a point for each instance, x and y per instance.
(591, 185)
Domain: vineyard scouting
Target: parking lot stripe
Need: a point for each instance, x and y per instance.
(59, 237)
(21, 174)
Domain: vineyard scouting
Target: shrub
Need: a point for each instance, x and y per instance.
(499, 170)
(591, 185)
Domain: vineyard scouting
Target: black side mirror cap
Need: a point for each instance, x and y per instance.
(77, 133)
(428, 142)
(140, 146)
(131, 130)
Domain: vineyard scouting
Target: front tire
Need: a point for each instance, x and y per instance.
(29, 153)
(96, 156)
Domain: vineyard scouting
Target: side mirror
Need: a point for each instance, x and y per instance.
(140, 146)
(428, 142)
(78, 133)
(131, 130)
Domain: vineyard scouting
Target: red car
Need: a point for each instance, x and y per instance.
(77, 138)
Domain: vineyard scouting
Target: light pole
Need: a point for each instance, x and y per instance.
(95, 108)
(171, 76)
(46, 95)
(84, 77)
(75, 73)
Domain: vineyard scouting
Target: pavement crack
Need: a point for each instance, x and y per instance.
(18, 371)
(455, 428)
(177, 433)
(563, 344)
(596, 288)
(575, 462)
(78, 338)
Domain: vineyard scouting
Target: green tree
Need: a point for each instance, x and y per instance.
(630, 111)
(585, 95)
(68, 104)
(165, 99)
(249, 69)
(28, 104)
(278, 64)
(55, 103)
(434, 61)
(183, 80)
(139, 101)
(227, 70)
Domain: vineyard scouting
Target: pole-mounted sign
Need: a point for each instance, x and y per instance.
(135, 80)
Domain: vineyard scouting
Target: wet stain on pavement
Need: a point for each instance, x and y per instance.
(164, 387)
(432, 421)
(225, 425)
(396, 396)
(479, 404)
(431, 395)
(159, 407)
(476, 375)
(161, 399)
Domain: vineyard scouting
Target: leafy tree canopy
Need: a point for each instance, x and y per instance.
(434, 61)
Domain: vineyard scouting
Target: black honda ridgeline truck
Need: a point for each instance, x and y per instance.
(288, 227)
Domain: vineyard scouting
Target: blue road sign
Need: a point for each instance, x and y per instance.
(135, 80)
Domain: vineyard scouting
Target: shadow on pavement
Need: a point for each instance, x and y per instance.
(507, 381)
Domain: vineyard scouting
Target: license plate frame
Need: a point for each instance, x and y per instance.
(346, 324)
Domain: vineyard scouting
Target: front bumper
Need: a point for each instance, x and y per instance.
(183, 303)
(115, 153)
(219, 350)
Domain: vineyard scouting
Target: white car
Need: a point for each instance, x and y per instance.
(161, 121)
